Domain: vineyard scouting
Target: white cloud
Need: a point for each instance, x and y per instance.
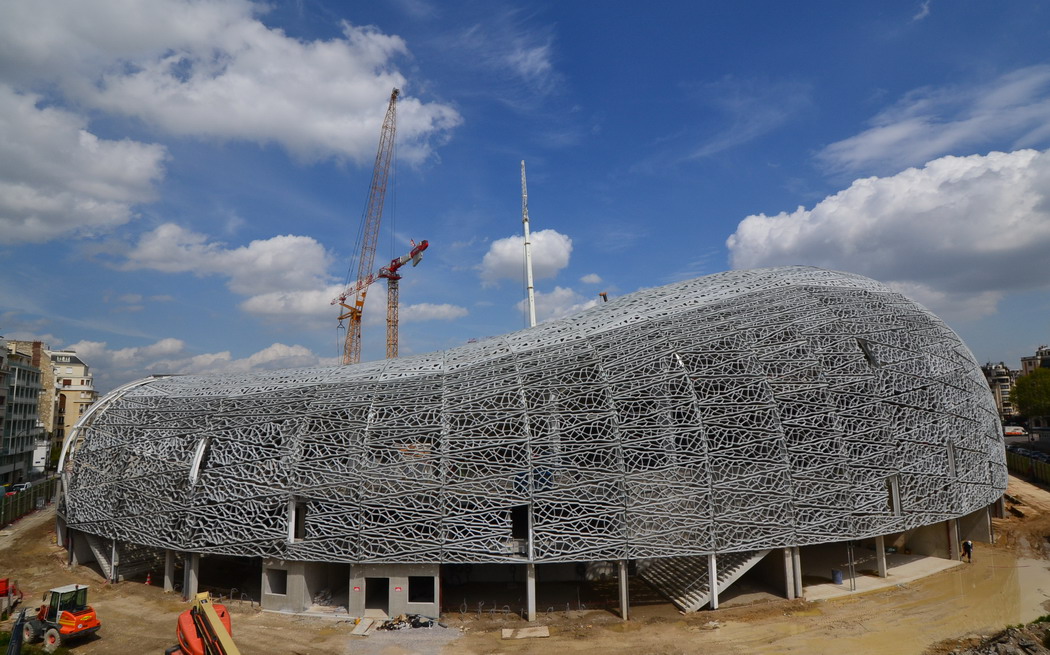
(558, 303)
(316, 304)
(516, 56)
(505, 259)
(924, 11)
(56, 178)
(752, 109)
(281, 263)
(426, 311)
(931, 122)
(169, 356)
(302, 303)
(211, 68)
(591, 278)
(957, 233)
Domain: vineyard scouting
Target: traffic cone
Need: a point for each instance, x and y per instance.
(149, 577)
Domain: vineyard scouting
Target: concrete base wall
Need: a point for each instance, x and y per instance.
(929, 540)
(81, 550)
(284, 586)
(977, 526)
(396, 599)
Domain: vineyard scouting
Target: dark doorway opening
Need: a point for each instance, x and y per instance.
(377, 594)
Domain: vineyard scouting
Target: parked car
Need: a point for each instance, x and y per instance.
(17, 488)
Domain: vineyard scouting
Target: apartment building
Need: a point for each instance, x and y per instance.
(75, 388)
(22, 429)
(1001, 380)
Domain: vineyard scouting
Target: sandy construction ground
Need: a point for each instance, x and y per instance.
(1008, 583)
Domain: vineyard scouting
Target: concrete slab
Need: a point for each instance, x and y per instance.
(902, 569)
(526, 633)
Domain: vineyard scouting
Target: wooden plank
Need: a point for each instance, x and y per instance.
(526, 633)
(362, 627)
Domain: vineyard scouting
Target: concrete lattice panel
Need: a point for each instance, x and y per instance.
(739, 411)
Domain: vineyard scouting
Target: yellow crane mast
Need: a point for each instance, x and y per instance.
(369, 235)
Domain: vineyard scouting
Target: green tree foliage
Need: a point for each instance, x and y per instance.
(1031, 395)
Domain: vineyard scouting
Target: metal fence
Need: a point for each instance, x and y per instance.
(18, 505)
(1032, 468)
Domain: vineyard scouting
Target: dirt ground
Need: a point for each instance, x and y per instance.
(1008, 583)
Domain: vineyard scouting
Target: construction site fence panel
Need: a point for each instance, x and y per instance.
(16, 506)
(1030, 468)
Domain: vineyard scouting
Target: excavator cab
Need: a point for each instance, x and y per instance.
(64, 615)
(72, 598)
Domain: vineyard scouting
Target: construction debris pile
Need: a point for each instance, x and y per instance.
(1031, 639)
(405, 621)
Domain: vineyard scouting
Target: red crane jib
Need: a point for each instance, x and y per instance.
(389, 271)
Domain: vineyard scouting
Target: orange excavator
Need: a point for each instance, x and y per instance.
(204, 629)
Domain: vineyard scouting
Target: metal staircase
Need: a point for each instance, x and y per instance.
(685, 581)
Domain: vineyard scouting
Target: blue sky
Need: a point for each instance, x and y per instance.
(181, 183)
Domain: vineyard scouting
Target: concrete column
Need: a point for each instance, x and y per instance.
(991, 528)
(796, 567)
(530, 591)
(880, 555)
(169, 570)
(789, 575)
(623, 589)
(114, 562)
(60, 531)
(73, 560)
(190, 571)
(953, 539)
(712, 577)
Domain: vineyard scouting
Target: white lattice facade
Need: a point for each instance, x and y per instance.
(740, 411)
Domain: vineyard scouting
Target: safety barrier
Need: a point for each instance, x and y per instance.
(18, 505)
(1026, 466)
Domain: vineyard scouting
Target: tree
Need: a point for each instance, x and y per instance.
(1031, 394)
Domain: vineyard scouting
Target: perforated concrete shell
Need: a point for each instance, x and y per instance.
(739, 411)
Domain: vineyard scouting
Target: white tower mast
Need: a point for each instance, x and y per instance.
(528, 248)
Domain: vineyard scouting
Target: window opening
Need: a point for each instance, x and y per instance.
(277, 581)
(519, 522)
(296, 520)
(200, 458)
(420, 589)
(893, 494)
(951, 461)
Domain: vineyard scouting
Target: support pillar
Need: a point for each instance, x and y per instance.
(169, 570)
(796, 568)
(789, 575)
(73, 561)
(988, 522)
(191, 569)
(530, 591)
(880, 555)
(712, 577)
(623, 589)
(953, 539)
(114, 562)
(60, 531)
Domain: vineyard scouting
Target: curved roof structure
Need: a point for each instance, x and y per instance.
(744, 410)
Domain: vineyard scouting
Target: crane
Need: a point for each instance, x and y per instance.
(388, 272)
(369, 235)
